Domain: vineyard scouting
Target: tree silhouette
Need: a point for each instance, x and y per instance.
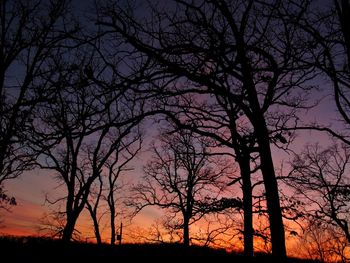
(128, 150)
(182, 178)
(232, 76)
(320, 177)
(52, 224)
(242, 54)
(322, 242)
(93, 205)
(333, 46)
(108, 186)
(207, 121)
(70, 133)
(326, 39)
(31, 33)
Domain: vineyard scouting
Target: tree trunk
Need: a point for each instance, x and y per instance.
(344, 19)
(244, 164)
(111, 205)
(69, 227)
(95, 222)
(186, 232)
(73, 210)
(71, 218)
(271, 189)
(113, 233)
(257, 119)
(97, 231)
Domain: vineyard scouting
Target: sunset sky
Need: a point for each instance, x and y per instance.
(33, 187)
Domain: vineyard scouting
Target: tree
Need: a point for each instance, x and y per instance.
(218, 229)
(158, 232)
(31, 33)
(333, 44)
(107, 185)
(70, 134)
(320, 177)
(229, 133)
(182, 178)
(93, 205)
(242, 54)
(326, 33)
(128, 150)
(322, 242)
(52, 224)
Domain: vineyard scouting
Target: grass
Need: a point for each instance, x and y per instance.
(34, 249)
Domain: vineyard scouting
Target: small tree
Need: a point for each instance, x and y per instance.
(127, 152)
(107, 187)
(323, 242)
(320, 178)
(183, 179)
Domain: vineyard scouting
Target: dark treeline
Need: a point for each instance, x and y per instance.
(224, 84)
(32, 250)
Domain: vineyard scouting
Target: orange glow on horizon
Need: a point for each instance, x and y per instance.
(22, 220)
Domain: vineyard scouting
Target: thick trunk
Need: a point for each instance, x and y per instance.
(244, 164)
(256, 117)
(71, 219)
(272, 195)
(73, 210)
(69, 227)
(186, 232)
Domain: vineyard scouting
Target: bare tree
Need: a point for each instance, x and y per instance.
(70, 134)
(218, 230)
(158, 232)
(108, 186)
(320, 178)
(332, 42)
(31, 33)
(93, 205)
(230, 133)
(182, 178)
(127, 152)
(322, 242)
(242, 53)
(52, 224)
(326, 33)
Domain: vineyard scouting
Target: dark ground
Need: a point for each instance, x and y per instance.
(29, 249)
